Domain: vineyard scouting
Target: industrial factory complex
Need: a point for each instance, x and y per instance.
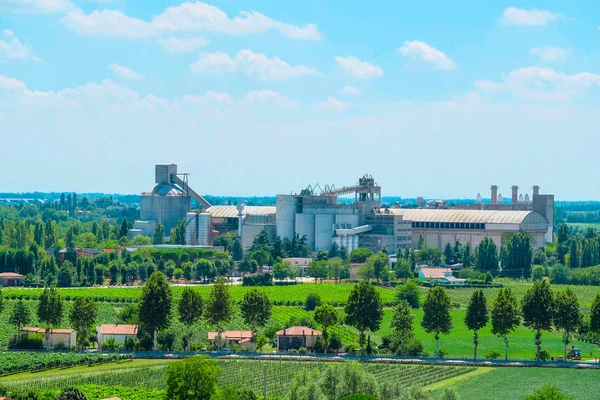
(318, 214)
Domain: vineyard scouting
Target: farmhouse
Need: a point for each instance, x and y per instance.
(117, 332)
(441, 275)
(296, 337)
(68, 337)
(240, 338)
(11, 279)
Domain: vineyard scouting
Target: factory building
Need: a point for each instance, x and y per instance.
(245, 221)
(169, 201)
(322, 218)
(325, 220)
(440, 227)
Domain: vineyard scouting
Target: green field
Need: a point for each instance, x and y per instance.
(457, 344)
(510, 383)
(239, 373)
(584, 226)
(331, 293)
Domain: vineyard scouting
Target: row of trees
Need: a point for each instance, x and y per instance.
(540, 310)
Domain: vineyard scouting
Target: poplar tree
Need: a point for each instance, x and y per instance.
(477, 316)
(567, 315)
(487, 255)
(505, 316)
(364, 310)
(155, 307)
(327, 316)
(50, 309)
(436, 314)
(467, 257)
(159, 233)
(219, 307)
(190, 310)
(82, 316)
(256, 310)
(538, 310)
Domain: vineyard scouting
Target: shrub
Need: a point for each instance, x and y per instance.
(493, 354)
(313, 300)
(548, 392)
(27, 342)
(410, 292)
(544, 355)
(109, 344)
(538, 272)
(302, 350)
(559, 274)
(449, 394)
(60, 345)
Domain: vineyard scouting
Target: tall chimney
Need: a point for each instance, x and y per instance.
(420, 202)
(494, 194)
(515, 194)
(536, 190)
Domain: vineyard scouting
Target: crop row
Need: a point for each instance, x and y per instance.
(249, 374)
(292, 295)
(12, 362)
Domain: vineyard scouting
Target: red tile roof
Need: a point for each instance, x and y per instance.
(10, 275)
(231, 335)
(43, 330)
(435, 273)
(299, 331)
(118, 329)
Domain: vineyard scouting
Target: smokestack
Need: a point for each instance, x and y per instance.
(515, 194)
(420, 202)
(536, 190)
(494, 194)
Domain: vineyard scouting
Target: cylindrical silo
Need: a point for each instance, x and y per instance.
(285, 216)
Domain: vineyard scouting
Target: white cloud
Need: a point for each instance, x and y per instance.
(186, 17)
(349, 91)
(124, 72)
(209, 97)
(332, 104)
(533, 17)
(269, 97)
(542, 83)
(359, 69)
(39, 6)
(173, 44)
(12, 49)
(549, 53)
(108, 23)
(251, 63)
(214, 63)
(421, 54)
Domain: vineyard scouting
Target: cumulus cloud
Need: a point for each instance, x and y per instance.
(173, 44)
(549, 53)
(209, 97)
(269, 97)
(332, 104)
(421, 54)
(349, 91)
(357, 68)
(251, 63)
(124, 72)
(542, 83)
(532, 17)
(11, 48)
(186, 17)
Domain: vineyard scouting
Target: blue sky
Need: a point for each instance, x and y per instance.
(439, 99)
